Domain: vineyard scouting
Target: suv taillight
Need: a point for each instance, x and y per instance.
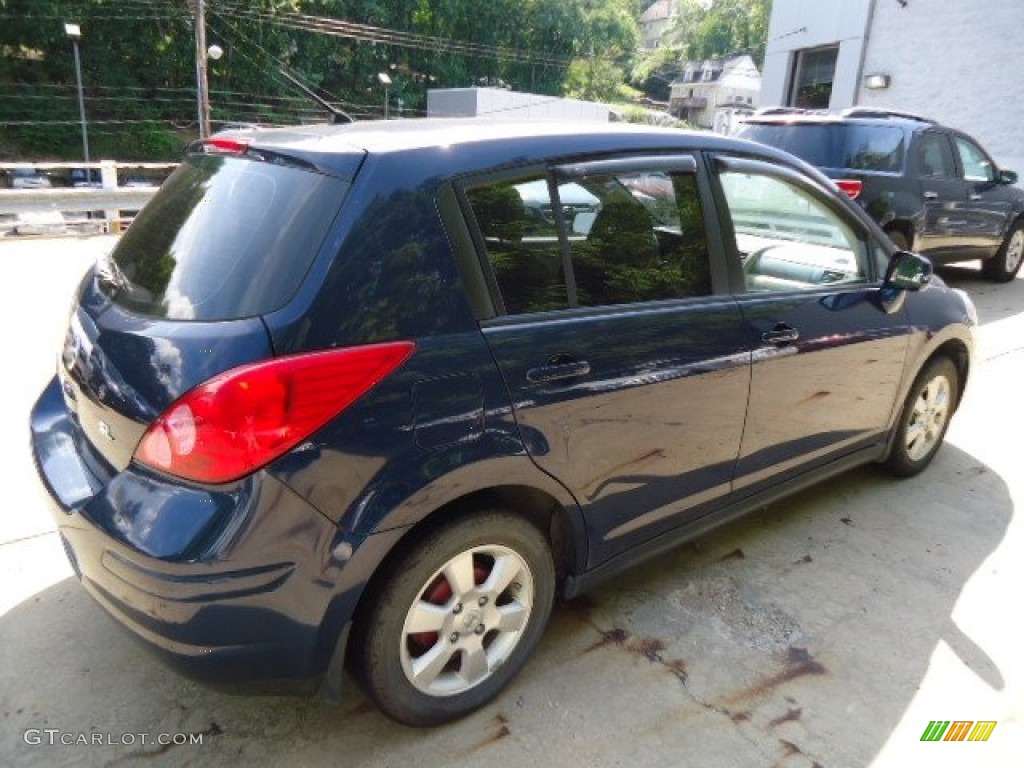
(243, 419)
(852, 187)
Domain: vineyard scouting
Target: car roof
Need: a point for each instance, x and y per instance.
(451, 146)
(858, 117)
(422, 133)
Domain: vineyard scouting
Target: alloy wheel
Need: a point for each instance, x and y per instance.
(467, 620)
(928, 418)
(1014, 250)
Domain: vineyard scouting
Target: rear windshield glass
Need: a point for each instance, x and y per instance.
(224, 238)
(854, 147)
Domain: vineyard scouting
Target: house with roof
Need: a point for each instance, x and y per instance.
(716, 93)
(656, 21)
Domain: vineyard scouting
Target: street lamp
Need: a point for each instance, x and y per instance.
(75, 33)
(385, 80)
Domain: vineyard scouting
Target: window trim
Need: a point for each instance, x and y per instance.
(680, 163)
(461, 237)
(564, 246)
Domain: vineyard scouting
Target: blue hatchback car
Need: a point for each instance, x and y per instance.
(374, 395)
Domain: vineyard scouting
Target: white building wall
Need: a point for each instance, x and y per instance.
(800, 24)
(960, 62)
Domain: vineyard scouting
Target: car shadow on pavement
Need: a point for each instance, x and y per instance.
(797, 636)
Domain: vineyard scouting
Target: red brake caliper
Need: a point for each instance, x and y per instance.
(439, 593)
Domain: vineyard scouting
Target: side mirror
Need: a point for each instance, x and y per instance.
(908, 272)
(1007, 177)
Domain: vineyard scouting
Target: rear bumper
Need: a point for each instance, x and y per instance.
(234, 585)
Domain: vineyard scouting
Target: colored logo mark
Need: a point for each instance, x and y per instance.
(958, 730)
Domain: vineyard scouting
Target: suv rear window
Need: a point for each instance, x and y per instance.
(835, 145)
(224, 238)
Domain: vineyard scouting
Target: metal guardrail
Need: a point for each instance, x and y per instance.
(86, 199)
(94, 208)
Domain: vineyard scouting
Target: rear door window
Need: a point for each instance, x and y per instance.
(224, 238)
(629, 237)
(935, 157)
(644, 243)
(516, 221)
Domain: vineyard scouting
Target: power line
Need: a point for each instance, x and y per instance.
(397, 38)
(267, 54)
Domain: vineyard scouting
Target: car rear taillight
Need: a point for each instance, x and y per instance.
(243, 419)
(852, 187)
(226, 146)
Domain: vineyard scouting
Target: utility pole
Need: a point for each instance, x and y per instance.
(198, 8)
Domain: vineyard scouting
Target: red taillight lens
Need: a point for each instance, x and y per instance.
(243, 419)
(227, 146)
(851, 187)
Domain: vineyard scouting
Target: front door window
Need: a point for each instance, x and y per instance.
(787, 238)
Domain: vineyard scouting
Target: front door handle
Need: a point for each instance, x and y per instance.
(556, 371)
(780, 334)
(931, 195)
(974, 198)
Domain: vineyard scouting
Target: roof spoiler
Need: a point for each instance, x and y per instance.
(774, 111)
(335, 115)
(876, 112)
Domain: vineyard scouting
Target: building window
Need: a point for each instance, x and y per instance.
(813, 73)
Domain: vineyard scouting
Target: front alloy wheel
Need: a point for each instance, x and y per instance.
(453, 620)
(928, 418)
(925, 418)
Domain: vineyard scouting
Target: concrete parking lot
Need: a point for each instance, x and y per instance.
(827, 631)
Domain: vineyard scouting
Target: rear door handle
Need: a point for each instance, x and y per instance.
(931, 195)
(974, 198)
(558, 371)
(780, 334)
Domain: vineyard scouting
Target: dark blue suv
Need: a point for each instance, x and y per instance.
(356, 395)
(933, 190)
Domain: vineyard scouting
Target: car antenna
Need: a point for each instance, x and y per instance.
(336, 115)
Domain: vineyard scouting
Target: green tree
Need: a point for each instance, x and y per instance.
(604, 50)
(705, 31)
(138, 61)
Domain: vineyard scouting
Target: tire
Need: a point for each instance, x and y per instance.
(899, 239)
(1005, 265)
(925, 418)
(456, 619)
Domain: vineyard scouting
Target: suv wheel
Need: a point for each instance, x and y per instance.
(925, 417)
(457, 619)
(1003, 267)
